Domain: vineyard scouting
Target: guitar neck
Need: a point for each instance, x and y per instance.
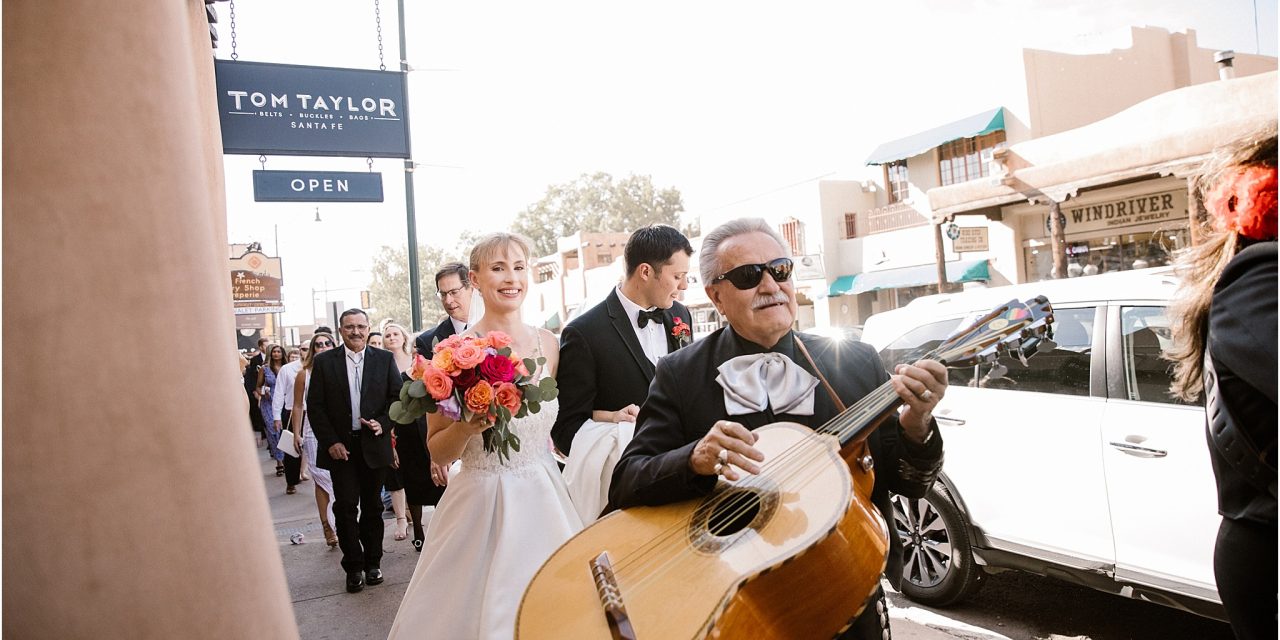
(859, 420)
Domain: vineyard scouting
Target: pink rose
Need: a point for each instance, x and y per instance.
(508, 395)
(498, 339)
(468, 355)
(438, 383)
(451, 343)
(497, 369)
(519, 366)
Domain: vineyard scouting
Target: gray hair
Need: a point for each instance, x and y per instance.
(708, 256)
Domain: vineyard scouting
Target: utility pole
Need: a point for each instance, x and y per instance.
(415, 279)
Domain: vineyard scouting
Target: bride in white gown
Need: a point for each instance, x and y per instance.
(499, 521)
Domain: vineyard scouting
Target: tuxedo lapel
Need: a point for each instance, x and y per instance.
(622, 324)
(344, 380)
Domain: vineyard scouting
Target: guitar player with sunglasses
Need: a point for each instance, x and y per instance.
(696, 424)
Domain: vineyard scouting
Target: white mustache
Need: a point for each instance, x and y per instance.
(764, 301)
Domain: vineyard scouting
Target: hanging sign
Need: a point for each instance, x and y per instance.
(287, 109)
(316, 186)
(969, 239)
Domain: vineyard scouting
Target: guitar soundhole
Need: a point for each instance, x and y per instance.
(733, 513)
(721, 519)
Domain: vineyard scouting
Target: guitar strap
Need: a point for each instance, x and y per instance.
(827, 385)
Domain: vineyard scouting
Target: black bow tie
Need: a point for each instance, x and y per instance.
(646, 316)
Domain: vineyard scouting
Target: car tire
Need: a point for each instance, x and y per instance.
(938, 567)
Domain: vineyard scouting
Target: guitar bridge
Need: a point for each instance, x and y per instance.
(611, 598)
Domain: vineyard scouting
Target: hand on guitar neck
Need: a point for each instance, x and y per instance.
(921, 386)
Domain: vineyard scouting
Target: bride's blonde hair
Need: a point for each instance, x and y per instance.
(493, 244)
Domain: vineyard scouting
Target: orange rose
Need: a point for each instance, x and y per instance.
(478, 398)
(443, 360)
(481, 342)
(520, 368)
(419, 369)
(498, 339)
(468, 355)
(508, 395)
(438, 383)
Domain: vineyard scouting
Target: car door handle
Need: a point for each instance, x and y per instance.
(954, 421)
(1141, 452)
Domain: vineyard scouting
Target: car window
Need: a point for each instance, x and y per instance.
(1060, 366)
(1147, 374)
(914, 344)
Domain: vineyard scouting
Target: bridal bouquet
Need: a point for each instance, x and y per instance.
(475, 377)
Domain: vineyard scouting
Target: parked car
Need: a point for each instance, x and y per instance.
(1079, 465)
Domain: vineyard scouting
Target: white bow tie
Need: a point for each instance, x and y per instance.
(752, 383)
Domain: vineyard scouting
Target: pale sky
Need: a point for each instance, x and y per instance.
(740, 106)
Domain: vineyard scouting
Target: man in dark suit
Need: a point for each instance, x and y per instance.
(251, 388)
(696, 423)
(453, 284)
(351, 392)
(608, 354)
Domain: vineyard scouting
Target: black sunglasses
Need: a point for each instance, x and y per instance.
(749, 275)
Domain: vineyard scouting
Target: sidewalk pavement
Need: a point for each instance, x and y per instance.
(323, 608)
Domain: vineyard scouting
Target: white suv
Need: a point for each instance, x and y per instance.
(1078, 466)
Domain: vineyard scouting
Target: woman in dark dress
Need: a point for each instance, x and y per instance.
(414, 468)
(1225, 347)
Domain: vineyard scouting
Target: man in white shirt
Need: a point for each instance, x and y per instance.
(281, 408)
(348, 402)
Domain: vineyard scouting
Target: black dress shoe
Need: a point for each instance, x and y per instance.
(417, 546)
(355, 582)
(373, 576)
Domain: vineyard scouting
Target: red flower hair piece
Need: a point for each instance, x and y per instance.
(1245, 202)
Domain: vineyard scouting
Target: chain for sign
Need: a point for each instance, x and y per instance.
(263, 160)
(234, 55)
(369, 161)
(377, 14)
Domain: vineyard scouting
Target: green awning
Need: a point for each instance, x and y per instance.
(970, 127)
(958, 271)
(553, 321)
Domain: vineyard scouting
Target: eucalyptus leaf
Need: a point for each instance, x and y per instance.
(532, 394)
(524, 411)
(534, 407)
(417, 389)
(404, 391)
(530, 365)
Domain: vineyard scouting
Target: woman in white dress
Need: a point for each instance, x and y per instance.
(305, 440)
(499, 521)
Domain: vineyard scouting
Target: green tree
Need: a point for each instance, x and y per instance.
(597, 202)
(389, 288)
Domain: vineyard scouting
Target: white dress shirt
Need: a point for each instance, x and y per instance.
(282, 398)
(355, 374)
(458, 325)
(653, 339)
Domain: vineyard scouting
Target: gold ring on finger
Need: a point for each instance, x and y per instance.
(718, 468)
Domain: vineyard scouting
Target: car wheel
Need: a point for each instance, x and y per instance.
(938, 568)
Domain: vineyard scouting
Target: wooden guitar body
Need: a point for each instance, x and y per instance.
(791, 553)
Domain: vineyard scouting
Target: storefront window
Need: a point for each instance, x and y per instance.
(1106, 254)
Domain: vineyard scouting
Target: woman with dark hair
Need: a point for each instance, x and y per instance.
(1225, 347)
(305, 440)
(274, 359)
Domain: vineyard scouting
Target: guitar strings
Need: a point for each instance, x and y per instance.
(782, 470)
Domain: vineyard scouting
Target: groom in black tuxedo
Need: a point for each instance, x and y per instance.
(608, 354)
(454, 288)
(351, 392)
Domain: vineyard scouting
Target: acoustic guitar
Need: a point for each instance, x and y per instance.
(793, 552)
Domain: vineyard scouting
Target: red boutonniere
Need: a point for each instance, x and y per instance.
(1245, 203)
(682, 332)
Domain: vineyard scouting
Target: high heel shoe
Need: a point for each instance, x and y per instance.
(402, 527)
(330, 538)
(417, 545)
